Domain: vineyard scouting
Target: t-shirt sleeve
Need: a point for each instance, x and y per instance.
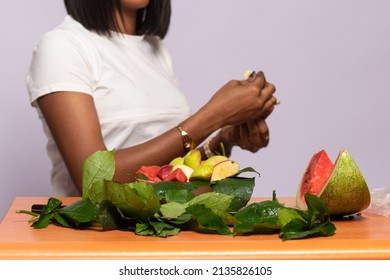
(59, 63)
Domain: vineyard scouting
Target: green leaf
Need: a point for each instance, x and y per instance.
(136, 200)
(314, 222)
(205, 220)
(177, 191)
(73, 215)
(79, 212)
(52, 205)
(43, 221)
(144, 229)
(172, 209)
(156, 228)
(164, 229)
(240, 188)
(247, 169)
(109, 217)
(297, 229)
(259, 217)
(62, 220)
(218, 202)
(98, 166)
(317, 209)
(285, 215)
(97, 192)
(180, 196)
(181, 220)
(47, 213)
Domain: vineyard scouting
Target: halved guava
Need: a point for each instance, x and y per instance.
(340, 185)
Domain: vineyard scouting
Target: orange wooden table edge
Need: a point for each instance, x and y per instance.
(365, 237)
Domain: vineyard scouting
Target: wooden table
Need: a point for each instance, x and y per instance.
(366, 236)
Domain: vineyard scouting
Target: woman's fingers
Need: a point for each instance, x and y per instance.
(253, 135)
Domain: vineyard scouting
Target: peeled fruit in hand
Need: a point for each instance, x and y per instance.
(193, 159)
(202, 173)
(340, 185)
(224, 169)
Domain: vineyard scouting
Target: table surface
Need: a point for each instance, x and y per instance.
(365, 236)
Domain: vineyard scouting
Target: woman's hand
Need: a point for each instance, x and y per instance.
(252, 135)
(241, 107)
(239, 101)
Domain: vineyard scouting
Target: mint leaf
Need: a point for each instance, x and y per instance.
(298, 229)
(313, 222)
(317, 209)
(285, 215)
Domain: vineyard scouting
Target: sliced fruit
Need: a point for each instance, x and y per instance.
(186, 169)
(164, 171)
(224, 169)
(214, 160)
(193, 159)
(176, 161)
(317, 173)
(177, 175)
(202, 173)
(345, 191)
(150, 172)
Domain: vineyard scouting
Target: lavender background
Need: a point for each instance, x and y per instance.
(329, 60)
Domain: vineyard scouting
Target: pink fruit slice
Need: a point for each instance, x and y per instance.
(340, 185)
(317, 173)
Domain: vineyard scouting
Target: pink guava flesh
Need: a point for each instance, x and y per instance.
(317, 173)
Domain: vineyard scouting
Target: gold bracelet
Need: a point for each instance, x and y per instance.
(206, 148)
(188, 143)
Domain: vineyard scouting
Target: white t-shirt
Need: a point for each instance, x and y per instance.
(130, 78)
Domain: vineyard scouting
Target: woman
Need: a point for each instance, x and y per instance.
(103, 80)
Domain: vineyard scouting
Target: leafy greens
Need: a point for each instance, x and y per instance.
(164, 209)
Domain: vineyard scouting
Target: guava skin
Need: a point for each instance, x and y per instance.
(346, 191)
(202, 173)
(193, 159)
